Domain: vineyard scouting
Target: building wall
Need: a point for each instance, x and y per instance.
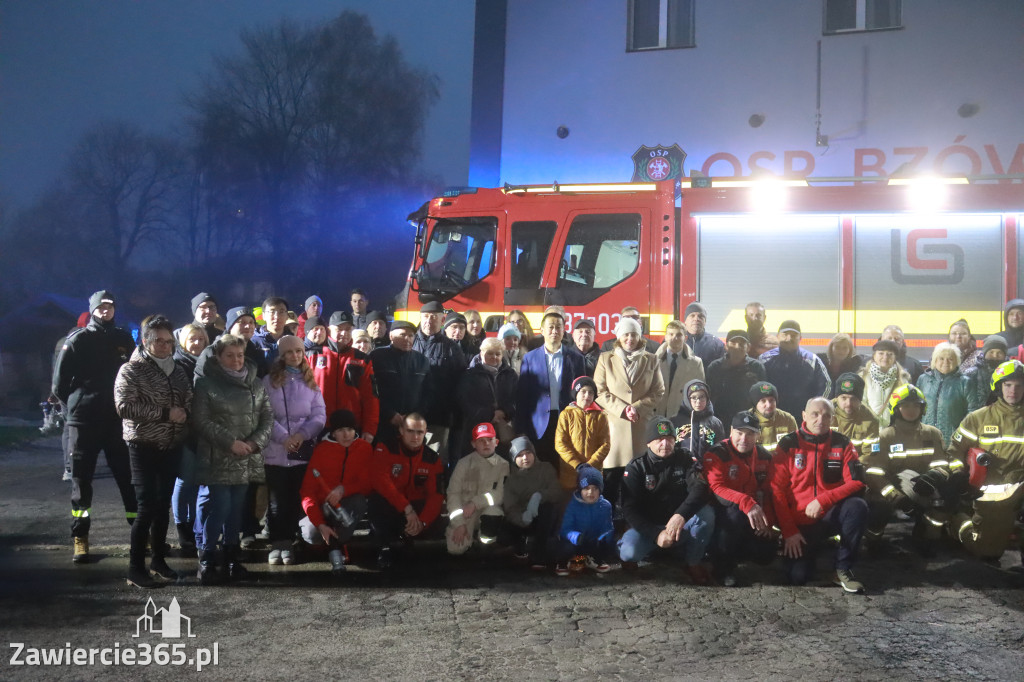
(893, 95)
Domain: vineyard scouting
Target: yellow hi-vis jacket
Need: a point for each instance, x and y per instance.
(904, 445)
(772, 430)
(861, 428)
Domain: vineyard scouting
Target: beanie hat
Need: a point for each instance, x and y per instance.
(849, 383)
(508, 329)
(233, 314)
(432, 307)
(695, 307)
(580, 382)
(453, 318)
(201, 298)
(627, 325)
(588, 475)
(885, 345)
(341, 419)
(403, 324)
(519, 444)
(993, 342)
(762, 389)
(696, 385)
(376, 316)
(100, 297)
(314, 322)
(313, 299)
(659, 427)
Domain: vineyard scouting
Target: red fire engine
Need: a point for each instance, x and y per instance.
(835, 257)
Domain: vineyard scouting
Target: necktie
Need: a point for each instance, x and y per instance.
(672, 368)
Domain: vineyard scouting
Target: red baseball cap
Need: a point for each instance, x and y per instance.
(484, 430)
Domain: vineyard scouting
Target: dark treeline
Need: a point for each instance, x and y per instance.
(291, 174)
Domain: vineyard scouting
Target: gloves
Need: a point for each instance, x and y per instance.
(532, 508)
(574, 536)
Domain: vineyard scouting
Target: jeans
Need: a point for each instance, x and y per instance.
(186, 490)
(219, 509)
(693, 541)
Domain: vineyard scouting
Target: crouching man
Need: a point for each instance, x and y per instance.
(410, 483)
(665, 502)
(739, 472)
(816, 492)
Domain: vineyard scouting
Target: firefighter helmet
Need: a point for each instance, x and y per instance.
(1010, 368)
(903, 394)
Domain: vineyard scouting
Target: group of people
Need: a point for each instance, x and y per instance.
(572, 453)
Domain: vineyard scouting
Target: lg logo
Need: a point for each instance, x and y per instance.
(916, 267)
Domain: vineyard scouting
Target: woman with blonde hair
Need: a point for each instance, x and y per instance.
(528, 339)
(475, 333)
(629, 387)
(950, 394)
(299, 416)
(841, 357)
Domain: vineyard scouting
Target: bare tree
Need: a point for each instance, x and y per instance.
(126, 182)
(296, 131)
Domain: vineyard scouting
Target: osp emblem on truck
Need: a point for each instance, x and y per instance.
(651, 164)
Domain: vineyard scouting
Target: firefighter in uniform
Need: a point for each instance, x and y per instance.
(739, 473)
(83, 379)
(993, 435)
(774, 423)
(909, 471)
(851, 417)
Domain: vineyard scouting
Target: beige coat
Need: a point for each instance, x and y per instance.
(688, 367)
(614, 393)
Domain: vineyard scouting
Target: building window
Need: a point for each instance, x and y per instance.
(845, 16)
(659, 24)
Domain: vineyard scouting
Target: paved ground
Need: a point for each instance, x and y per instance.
(949, 618)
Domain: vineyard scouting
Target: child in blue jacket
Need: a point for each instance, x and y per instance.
(587, 528)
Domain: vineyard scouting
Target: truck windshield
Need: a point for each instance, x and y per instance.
(459, 253)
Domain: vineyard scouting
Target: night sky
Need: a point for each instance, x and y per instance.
(66, 64)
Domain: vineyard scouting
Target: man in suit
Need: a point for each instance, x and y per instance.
(545, 386)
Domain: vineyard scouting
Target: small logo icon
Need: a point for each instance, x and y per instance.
(651, 164)
(166, 622)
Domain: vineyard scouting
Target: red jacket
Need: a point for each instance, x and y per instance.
(809, 467)
(346, 380)
(744, 480)
(337, 465)
(404, 478)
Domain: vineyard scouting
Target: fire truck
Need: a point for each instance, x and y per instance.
(837, 255)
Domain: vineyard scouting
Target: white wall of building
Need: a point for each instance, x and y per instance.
(566, 65)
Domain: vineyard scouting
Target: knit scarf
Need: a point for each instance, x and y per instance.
(630, 361)
(884, 380)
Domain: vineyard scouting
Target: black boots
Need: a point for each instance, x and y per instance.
(208, 573)
(186, 539)
(231, 566)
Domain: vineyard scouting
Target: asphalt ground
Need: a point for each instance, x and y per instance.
(441, 618)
